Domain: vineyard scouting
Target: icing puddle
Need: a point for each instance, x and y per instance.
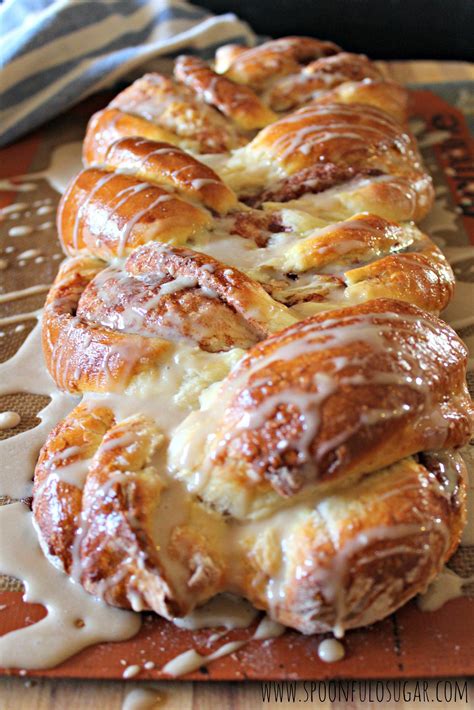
(68, 627)
(19, 453)
(447, 585)
(66, 161)
(84, 620)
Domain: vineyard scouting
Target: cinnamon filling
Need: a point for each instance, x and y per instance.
(313, 180)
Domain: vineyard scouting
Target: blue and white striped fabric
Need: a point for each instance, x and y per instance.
(54, 53)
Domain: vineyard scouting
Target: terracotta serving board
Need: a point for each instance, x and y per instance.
(410, 643)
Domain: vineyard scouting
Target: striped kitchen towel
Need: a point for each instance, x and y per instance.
(54, 53)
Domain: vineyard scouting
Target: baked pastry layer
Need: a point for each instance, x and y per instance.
(318, 479)
(270, 405)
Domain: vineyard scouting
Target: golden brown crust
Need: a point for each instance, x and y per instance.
(401, 198)
(83, 356)
(177, 293)
(121, 486)
(318, 77)
(102, 327)
(237, 102)
(120, 561)
(395, 528)
(108, 214)
(359, 259)
(225, 55)
(168, 165)
(57, 501)
(278, 57)
(387, 96)
(207, 112)
(87, 325)
(246, 297)
(330, 397)
(422, 277)
(364, 237)
(361, 552)
(379, 259)
(359, 135)
(174, 107)
(110, 125)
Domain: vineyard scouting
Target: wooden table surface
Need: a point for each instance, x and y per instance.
(20, 694)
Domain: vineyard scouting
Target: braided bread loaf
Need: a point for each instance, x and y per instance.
(268, 406)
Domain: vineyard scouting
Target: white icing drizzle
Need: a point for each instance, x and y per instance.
(9, 420)
(433, 138)
(45, 201)
(131, 671)
(224, 610)
(19, 318)
(268, 629)
(10, 186)
(67, 628)
(102, 181)
(331, 650)
(19, 453)
(20, 231)
(14, 207)
(191, 660)
(24, 292)
(45, 209)
(338, 332)
(29, 254)
(65, 163)
(313, 133)
(142, 699)
(447, 585)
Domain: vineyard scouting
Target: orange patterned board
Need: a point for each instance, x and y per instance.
(410, 643)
